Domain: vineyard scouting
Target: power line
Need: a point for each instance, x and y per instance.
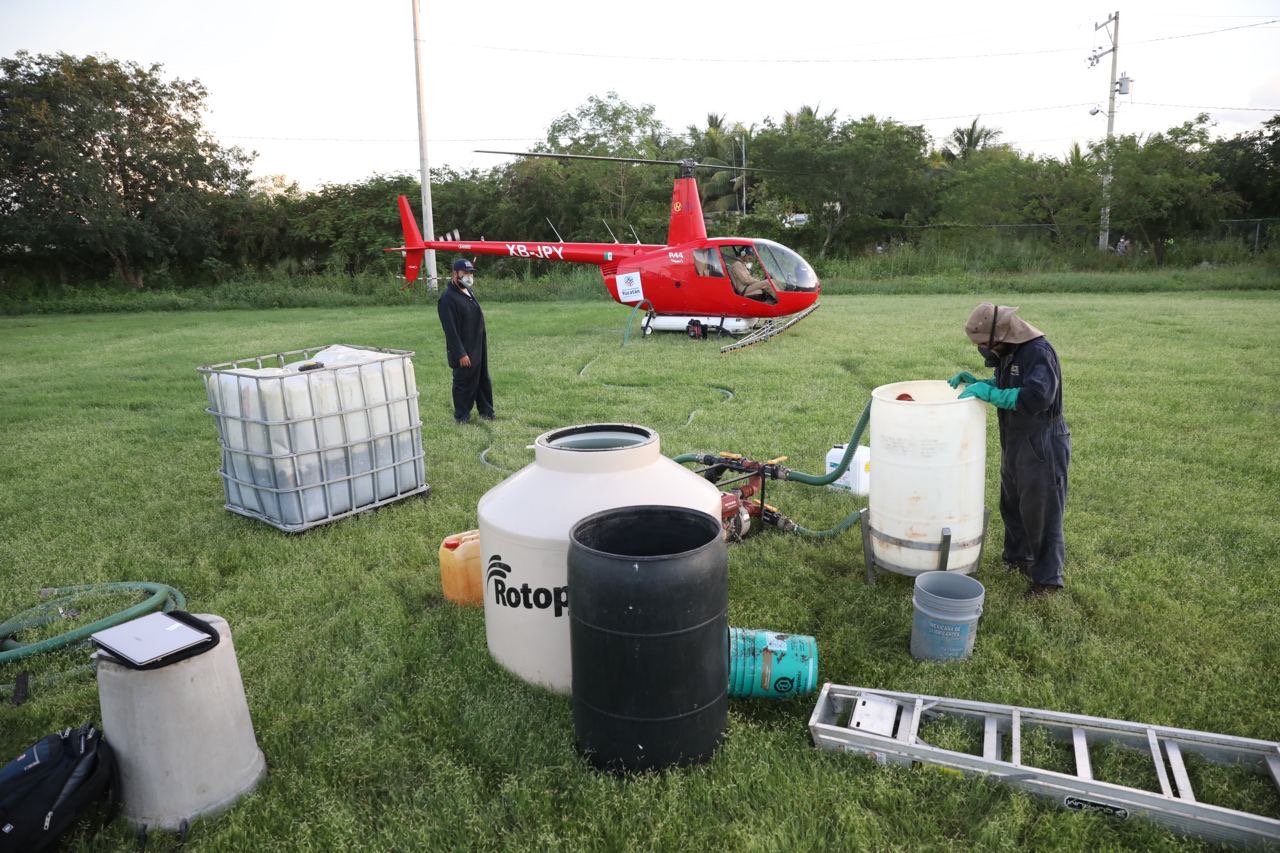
(1208, 33)
(774, 60)
(963, 115)
(994, 112)
(1204, 107)
(352, 139)
(842, 60)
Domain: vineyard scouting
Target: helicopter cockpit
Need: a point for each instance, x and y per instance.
(788, 270)
(785, 269)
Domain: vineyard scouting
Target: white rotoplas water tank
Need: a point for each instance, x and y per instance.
(182, 735)
(524, 534)
(930, 472)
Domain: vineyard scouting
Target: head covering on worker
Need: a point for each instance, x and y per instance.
(999, 324)
(463, 265)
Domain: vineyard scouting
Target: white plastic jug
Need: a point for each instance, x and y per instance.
(857, 477)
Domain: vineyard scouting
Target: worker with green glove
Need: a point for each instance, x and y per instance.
(1035, 443)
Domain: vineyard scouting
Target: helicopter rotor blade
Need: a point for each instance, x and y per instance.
(639, 160)
(555, 156)
(731, 168)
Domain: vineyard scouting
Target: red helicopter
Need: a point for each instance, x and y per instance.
(693, 282)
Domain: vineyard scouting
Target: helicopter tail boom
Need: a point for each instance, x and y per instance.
(599, 254)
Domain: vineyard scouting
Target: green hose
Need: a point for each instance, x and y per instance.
(850, 521)
(854, 517)
(626, 336)
(834, 474)
(831, 476)
(163, 597)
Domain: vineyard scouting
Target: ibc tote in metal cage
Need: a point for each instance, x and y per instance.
(313, 435)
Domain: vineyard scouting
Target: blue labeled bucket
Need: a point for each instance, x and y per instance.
(947, 607)
(771, 665)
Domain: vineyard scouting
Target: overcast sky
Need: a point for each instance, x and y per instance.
(324, 91)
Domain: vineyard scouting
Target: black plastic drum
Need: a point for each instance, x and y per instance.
(648, 634)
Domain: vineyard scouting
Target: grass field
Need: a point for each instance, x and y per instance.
(384, 722)
(552, 282)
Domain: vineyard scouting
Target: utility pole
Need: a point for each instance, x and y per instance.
(1104, 231)
(428, 221)
(743, 141)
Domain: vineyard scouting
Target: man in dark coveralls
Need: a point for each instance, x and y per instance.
(465, 344)
(1035, 444)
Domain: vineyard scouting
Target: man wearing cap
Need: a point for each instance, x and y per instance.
(465, 344)
(1035, 444)
(744, 283)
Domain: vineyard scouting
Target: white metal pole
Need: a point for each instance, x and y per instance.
(1104, 231)
(428, 221)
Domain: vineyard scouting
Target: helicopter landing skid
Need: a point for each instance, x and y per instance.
(769, 330)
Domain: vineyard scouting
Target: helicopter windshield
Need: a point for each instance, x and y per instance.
(788, 270)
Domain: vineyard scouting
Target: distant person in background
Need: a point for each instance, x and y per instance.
(1122, 245)
(465, 344)
(1035, 443)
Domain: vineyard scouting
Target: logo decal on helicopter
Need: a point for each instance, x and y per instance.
(675, 257)
(629, 287)
(520, 250)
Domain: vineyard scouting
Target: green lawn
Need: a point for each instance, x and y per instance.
(384, 722)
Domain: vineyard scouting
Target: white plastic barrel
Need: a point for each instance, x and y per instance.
(524, 534)
(182, 735)
(930, 470)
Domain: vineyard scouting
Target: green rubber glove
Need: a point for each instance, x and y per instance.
(1001, 398)
(966, 378)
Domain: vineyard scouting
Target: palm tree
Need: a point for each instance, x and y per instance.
(805, 115)
(966, 140)
(1076, 158)
(717, 145)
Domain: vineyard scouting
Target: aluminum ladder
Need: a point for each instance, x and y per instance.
(885, 725)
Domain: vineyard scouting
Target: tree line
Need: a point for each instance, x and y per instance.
(107, 172)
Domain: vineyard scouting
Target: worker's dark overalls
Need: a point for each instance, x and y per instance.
(1035, 452)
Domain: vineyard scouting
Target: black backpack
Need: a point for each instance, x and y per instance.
(54, 781)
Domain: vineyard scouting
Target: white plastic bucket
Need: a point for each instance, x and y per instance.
(182, 735)
(945, 622)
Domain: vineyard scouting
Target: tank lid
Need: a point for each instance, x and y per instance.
(919, 392)
(597, 447)
(597, 437)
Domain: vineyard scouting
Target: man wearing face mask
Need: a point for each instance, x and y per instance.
(744, 283)
(465, 344)
(1035, 444)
